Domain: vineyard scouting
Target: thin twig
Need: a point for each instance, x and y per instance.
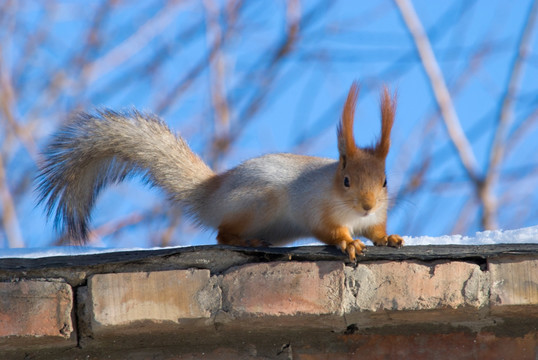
(288, 43)
(217, 88)
(132, 45)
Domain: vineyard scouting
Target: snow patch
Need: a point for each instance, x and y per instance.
(519, 236)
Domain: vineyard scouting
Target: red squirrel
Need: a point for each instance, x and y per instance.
(266, 201)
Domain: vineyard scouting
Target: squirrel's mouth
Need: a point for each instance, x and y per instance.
(359, 209)
(363, 213)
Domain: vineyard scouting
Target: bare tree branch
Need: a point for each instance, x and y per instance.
(440, 90)
(7, 105)
(505, 118)
(424, 130)
(231, 60)
(9, 215)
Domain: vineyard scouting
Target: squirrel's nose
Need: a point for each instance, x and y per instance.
(368, 201)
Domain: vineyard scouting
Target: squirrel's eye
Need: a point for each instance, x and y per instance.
(346, 182)
(385, 183)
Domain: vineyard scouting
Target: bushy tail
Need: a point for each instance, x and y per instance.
(94, 150)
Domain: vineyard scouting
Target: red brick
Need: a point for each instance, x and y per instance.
(284, 289)
(35, 311)
(410, 285)
(514, 285)
(414, 292)
(126, 299)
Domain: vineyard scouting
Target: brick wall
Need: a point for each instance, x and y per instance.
(218, 302)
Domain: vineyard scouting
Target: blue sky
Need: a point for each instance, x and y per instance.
(350, 40)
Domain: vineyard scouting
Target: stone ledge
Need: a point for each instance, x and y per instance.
(179, 303)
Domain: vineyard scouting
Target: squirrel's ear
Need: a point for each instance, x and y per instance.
(346, 142)
(388, 110)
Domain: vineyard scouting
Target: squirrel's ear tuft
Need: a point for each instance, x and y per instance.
(346, 142)
(388, 110)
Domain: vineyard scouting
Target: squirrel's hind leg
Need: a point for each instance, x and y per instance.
(229, 234)
(236, 240)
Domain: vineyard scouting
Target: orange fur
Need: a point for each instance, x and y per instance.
(346, 141)
(388, 110)
(377, 233)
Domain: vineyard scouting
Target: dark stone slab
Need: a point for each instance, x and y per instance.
(219, 257)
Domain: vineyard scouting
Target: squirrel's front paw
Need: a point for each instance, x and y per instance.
(395, 241)
(352, 248)
(390, 240)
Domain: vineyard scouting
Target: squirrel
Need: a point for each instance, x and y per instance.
(265, 201)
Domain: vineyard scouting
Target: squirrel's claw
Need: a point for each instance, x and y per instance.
(353, 248)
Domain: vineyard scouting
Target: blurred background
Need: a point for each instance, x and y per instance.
(243, 78)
